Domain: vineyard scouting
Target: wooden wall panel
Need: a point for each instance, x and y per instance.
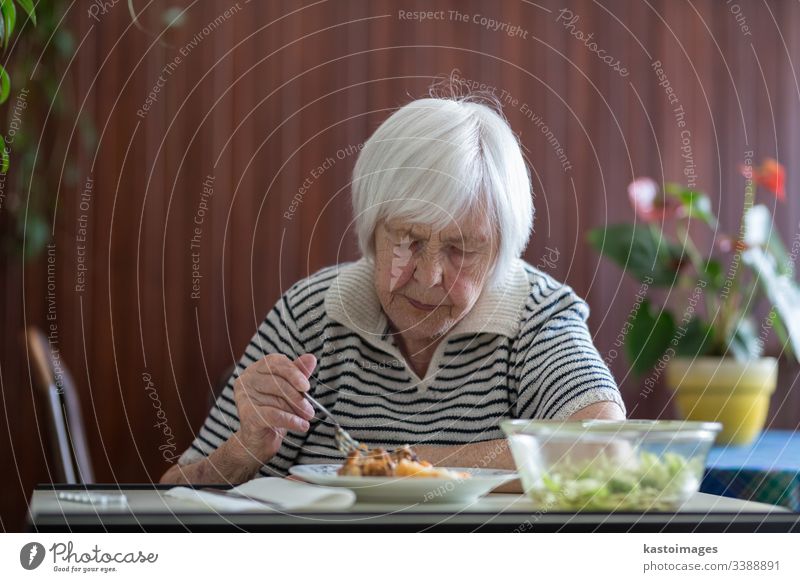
(262, 98)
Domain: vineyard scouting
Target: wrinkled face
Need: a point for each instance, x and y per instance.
(428, 280)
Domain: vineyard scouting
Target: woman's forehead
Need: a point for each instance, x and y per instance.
(474, 226)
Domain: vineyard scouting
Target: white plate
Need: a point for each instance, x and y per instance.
(408, 489)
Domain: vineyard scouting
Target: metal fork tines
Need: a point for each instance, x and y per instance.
(344, 442)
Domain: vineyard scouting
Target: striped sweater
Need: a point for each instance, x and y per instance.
(522, 351)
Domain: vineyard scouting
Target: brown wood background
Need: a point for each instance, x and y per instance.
(268, 94)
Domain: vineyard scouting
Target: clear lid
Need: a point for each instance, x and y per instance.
(632, 428)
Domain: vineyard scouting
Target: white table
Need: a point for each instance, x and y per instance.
(149, 510)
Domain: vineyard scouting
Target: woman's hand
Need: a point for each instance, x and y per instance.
(269, 400)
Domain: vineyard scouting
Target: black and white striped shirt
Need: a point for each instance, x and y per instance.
(522, 351)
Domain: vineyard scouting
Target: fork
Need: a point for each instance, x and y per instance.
(344, 442)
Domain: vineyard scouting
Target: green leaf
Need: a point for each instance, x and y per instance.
(642, 250)
(775, 247)
(696, 204)
(64, 42)
(5, 85)
(9, 12)
(37, 233)
(648, 337)
(696, 339)
(27, 6)
(743, 342)
(4, 156)
(780, 289)
(775, 323)
(712, 274)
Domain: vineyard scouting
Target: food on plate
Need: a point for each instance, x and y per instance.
(401, 462)
(652, 482)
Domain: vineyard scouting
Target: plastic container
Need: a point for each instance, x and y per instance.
(606, 465)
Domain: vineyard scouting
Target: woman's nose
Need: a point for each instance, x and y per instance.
(428, 271)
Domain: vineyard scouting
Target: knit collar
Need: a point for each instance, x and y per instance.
(353, 302)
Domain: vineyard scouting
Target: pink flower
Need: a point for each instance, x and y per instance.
(648, 202)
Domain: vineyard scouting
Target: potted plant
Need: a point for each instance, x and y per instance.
(39, 107)
(706, 336)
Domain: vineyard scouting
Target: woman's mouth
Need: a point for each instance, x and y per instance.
(421, 306)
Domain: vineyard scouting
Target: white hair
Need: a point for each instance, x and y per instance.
(434, 161)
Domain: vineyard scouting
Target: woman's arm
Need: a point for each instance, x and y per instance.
(494, 454)
(269, 401)
(485, 455)
(600, 411)
(560, 371)
(229, 464)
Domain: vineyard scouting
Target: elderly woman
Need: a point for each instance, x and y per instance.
(434, 336)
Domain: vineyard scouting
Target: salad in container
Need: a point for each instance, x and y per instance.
(609, 465)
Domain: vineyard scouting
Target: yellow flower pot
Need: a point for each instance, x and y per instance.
(734, 393)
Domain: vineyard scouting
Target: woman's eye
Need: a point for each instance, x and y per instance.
(461, 254)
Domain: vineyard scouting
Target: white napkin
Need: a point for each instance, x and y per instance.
(285, 493)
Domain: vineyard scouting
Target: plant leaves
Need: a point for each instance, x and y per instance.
(775, 323)
(696, 204)
(37, 233)
(648, 337)
(757, 226)
(64, 42)
(780, 289)
(27, 6)
(712, 274)
(744, 343)
(696, 339)
(774, 245)
(9, 12)
(4, 156)
(640, 250)
(5, 85)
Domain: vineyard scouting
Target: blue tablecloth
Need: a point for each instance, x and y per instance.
(767, 471)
